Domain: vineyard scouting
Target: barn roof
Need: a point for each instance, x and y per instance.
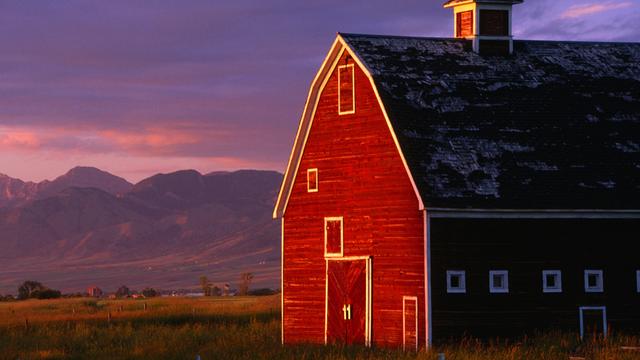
(554, 126)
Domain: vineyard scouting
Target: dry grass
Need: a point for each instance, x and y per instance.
(224, 328)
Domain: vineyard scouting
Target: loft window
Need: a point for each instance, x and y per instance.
(456, 282)
(346, 90)
(312, 180)
(593, 281)
(499, 281)
(464, 23)
(333, 237)
(494, 22)
(552, 281)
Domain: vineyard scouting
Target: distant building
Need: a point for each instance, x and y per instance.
(94, 291)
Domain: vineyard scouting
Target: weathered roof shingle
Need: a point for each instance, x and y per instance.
(554, 126)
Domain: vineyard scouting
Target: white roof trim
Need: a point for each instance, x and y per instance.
(338, 48)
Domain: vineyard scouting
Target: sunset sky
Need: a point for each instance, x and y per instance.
(137, 87)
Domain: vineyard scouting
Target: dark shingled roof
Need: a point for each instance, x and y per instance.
(554, 126)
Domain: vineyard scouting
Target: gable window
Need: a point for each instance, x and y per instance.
(456, 282)
(312, 180)
(333, 237)
(593, 281)
(346, 90)
(464, 23)
(552, 281)
(498, 281)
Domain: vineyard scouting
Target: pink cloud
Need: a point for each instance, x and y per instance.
(577, 11)
(18, 139)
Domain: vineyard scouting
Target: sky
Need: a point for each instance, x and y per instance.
(138, 87)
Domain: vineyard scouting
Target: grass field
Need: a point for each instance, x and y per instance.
(222, 328)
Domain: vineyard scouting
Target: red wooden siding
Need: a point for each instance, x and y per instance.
(464, 23)
(364, 181)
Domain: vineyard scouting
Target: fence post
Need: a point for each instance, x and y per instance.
(109, 317)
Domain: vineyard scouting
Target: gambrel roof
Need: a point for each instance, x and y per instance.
(556, 125)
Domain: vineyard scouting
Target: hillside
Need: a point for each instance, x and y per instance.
(167, 230)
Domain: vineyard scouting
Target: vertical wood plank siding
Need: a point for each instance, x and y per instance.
(362, 179)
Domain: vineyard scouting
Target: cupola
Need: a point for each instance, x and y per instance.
(486, 22)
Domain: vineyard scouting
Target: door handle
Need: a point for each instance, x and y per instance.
(346, 311)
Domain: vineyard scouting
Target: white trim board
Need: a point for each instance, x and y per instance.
(428, 280)
(282, 281)
(368, 312)
(340, 46)
(404, 319)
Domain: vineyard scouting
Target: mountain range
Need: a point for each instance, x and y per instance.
(89, 227)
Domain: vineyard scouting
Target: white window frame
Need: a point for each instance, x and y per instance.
(462, 289)
(505, 282)
(638, 281)
(548, 289)
(353, 89)
(341, 253)
(309, 172)
(599, 288)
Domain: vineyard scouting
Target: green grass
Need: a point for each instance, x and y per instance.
(225, 328)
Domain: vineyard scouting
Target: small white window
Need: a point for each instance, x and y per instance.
(638, 280)
(499, 281)
(552, 281)
(456, 282)
(312, 180)
(593, 281)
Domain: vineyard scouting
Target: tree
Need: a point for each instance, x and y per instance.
(123, 291)
(47, 293)
(149, 292)
(245, 281)
(26, 290)
(205, 285)
(216, 291)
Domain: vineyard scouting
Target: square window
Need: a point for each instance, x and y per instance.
(346, 90)
(552, 281)
(333, 237)
(312, 180)
(593, 281)
(456, 282)
(498, 281)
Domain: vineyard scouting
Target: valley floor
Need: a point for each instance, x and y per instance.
(224, 328)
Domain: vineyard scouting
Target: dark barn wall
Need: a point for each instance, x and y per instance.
(526, 248)
(362, 178)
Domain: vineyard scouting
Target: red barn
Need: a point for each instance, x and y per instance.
(467, 185)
